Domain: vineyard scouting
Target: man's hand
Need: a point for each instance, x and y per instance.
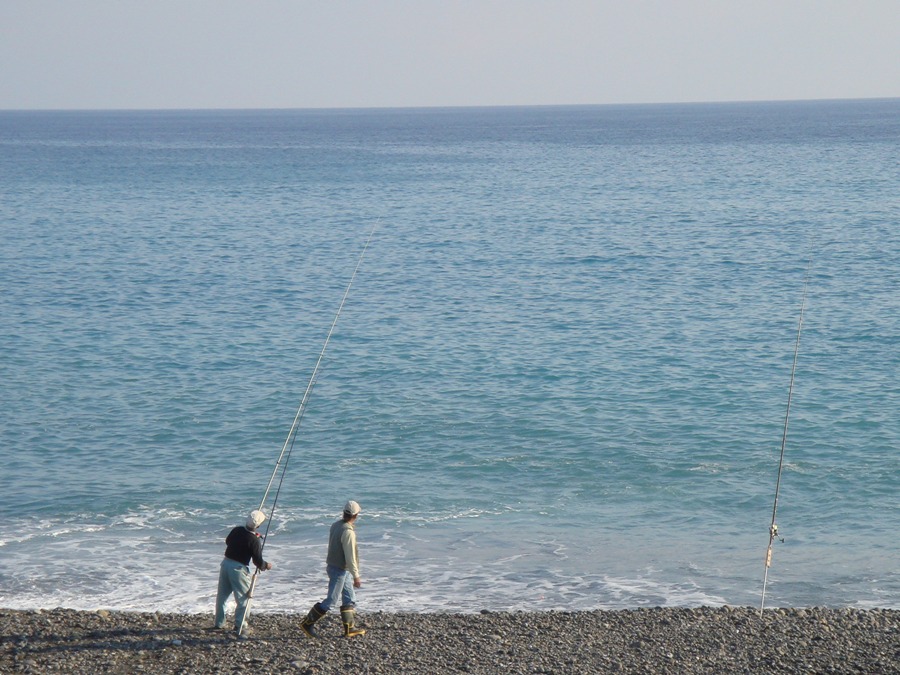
(357, 582)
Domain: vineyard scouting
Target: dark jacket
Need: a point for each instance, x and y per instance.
(242, 545)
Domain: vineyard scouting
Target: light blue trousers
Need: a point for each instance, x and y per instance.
(234, 579)
(340, 589)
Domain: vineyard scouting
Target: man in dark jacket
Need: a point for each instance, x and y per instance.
(242, 545)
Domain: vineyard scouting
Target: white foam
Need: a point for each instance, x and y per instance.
(168, 561)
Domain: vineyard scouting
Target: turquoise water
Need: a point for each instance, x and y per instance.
(559, 380)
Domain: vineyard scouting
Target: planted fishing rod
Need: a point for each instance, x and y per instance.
(773, 528)
(285, 455)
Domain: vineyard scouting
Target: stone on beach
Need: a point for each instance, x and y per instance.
(652, 640)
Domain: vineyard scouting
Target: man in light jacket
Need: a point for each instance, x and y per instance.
(342, 565)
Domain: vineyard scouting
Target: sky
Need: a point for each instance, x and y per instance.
(164, 54)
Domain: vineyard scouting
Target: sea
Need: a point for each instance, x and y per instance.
(549, 350)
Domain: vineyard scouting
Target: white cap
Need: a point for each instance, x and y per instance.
(352, 508)
(255, 519)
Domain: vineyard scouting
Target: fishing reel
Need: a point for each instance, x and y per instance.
(773, 533)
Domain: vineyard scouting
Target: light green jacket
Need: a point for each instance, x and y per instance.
(342, 551)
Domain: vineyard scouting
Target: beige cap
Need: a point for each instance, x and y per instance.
(255, 519)
(352, 508)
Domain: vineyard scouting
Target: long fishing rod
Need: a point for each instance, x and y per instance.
(773, 528)
(288, 447)
(289, 441)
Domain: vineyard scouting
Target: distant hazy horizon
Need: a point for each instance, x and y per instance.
(445, 107)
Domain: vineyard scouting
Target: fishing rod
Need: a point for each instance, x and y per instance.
(773, 528)
(288, 447)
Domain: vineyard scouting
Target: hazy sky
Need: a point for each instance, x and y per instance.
(355, 53)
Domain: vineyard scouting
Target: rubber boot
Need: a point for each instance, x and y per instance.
(314, 615)
(348, 618)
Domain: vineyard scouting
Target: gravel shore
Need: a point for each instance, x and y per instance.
(662, 640)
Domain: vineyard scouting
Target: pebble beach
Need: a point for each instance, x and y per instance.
(656, 640)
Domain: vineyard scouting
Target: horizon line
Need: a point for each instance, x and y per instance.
(453, 106)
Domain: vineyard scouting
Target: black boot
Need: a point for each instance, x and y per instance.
(314, 615)
(348, 618)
